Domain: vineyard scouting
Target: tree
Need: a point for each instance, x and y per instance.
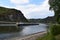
(55, 6)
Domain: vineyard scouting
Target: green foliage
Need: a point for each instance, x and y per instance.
(45, 20)
(12, 15)
(55, 6)
(48, 36)
(4, 10)
(55, 29)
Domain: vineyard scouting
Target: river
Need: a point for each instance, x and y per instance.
(27, 30)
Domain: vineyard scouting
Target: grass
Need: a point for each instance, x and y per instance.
(57, 37)
(53, 34)
(55, 29)
(48, 36)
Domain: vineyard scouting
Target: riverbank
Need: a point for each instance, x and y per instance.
(8, 29)
(53, 33)
(30, 37)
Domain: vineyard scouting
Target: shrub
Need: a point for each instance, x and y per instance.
(55, 29)
(48, 36)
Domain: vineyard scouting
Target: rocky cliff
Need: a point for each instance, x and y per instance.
(13, 15)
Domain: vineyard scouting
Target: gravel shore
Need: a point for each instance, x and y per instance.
(29, 37)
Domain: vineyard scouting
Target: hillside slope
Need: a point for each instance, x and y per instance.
(13, 15)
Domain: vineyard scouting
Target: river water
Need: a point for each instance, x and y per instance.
(27, 30)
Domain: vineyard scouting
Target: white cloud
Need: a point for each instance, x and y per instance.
(19, 1)
(33, 10)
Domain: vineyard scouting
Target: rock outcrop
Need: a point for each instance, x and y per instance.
(13, 15)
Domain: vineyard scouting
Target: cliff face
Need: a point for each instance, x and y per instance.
(13, 15)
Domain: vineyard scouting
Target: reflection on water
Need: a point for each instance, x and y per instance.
(26, 31)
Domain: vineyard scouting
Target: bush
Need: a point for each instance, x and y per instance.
(55, 29)
(48, 36)
(52, 32)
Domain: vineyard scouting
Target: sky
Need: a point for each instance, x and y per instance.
(30, 8)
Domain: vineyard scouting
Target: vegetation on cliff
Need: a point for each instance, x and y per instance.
(45, 20)
(13, 15)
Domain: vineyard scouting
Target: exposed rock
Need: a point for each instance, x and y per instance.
(14, 15)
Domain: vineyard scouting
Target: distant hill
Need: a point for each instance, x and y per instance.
(45, 20)
(13, 15)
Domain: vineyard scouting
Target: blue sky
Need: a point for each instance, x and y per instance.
(30, 8)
